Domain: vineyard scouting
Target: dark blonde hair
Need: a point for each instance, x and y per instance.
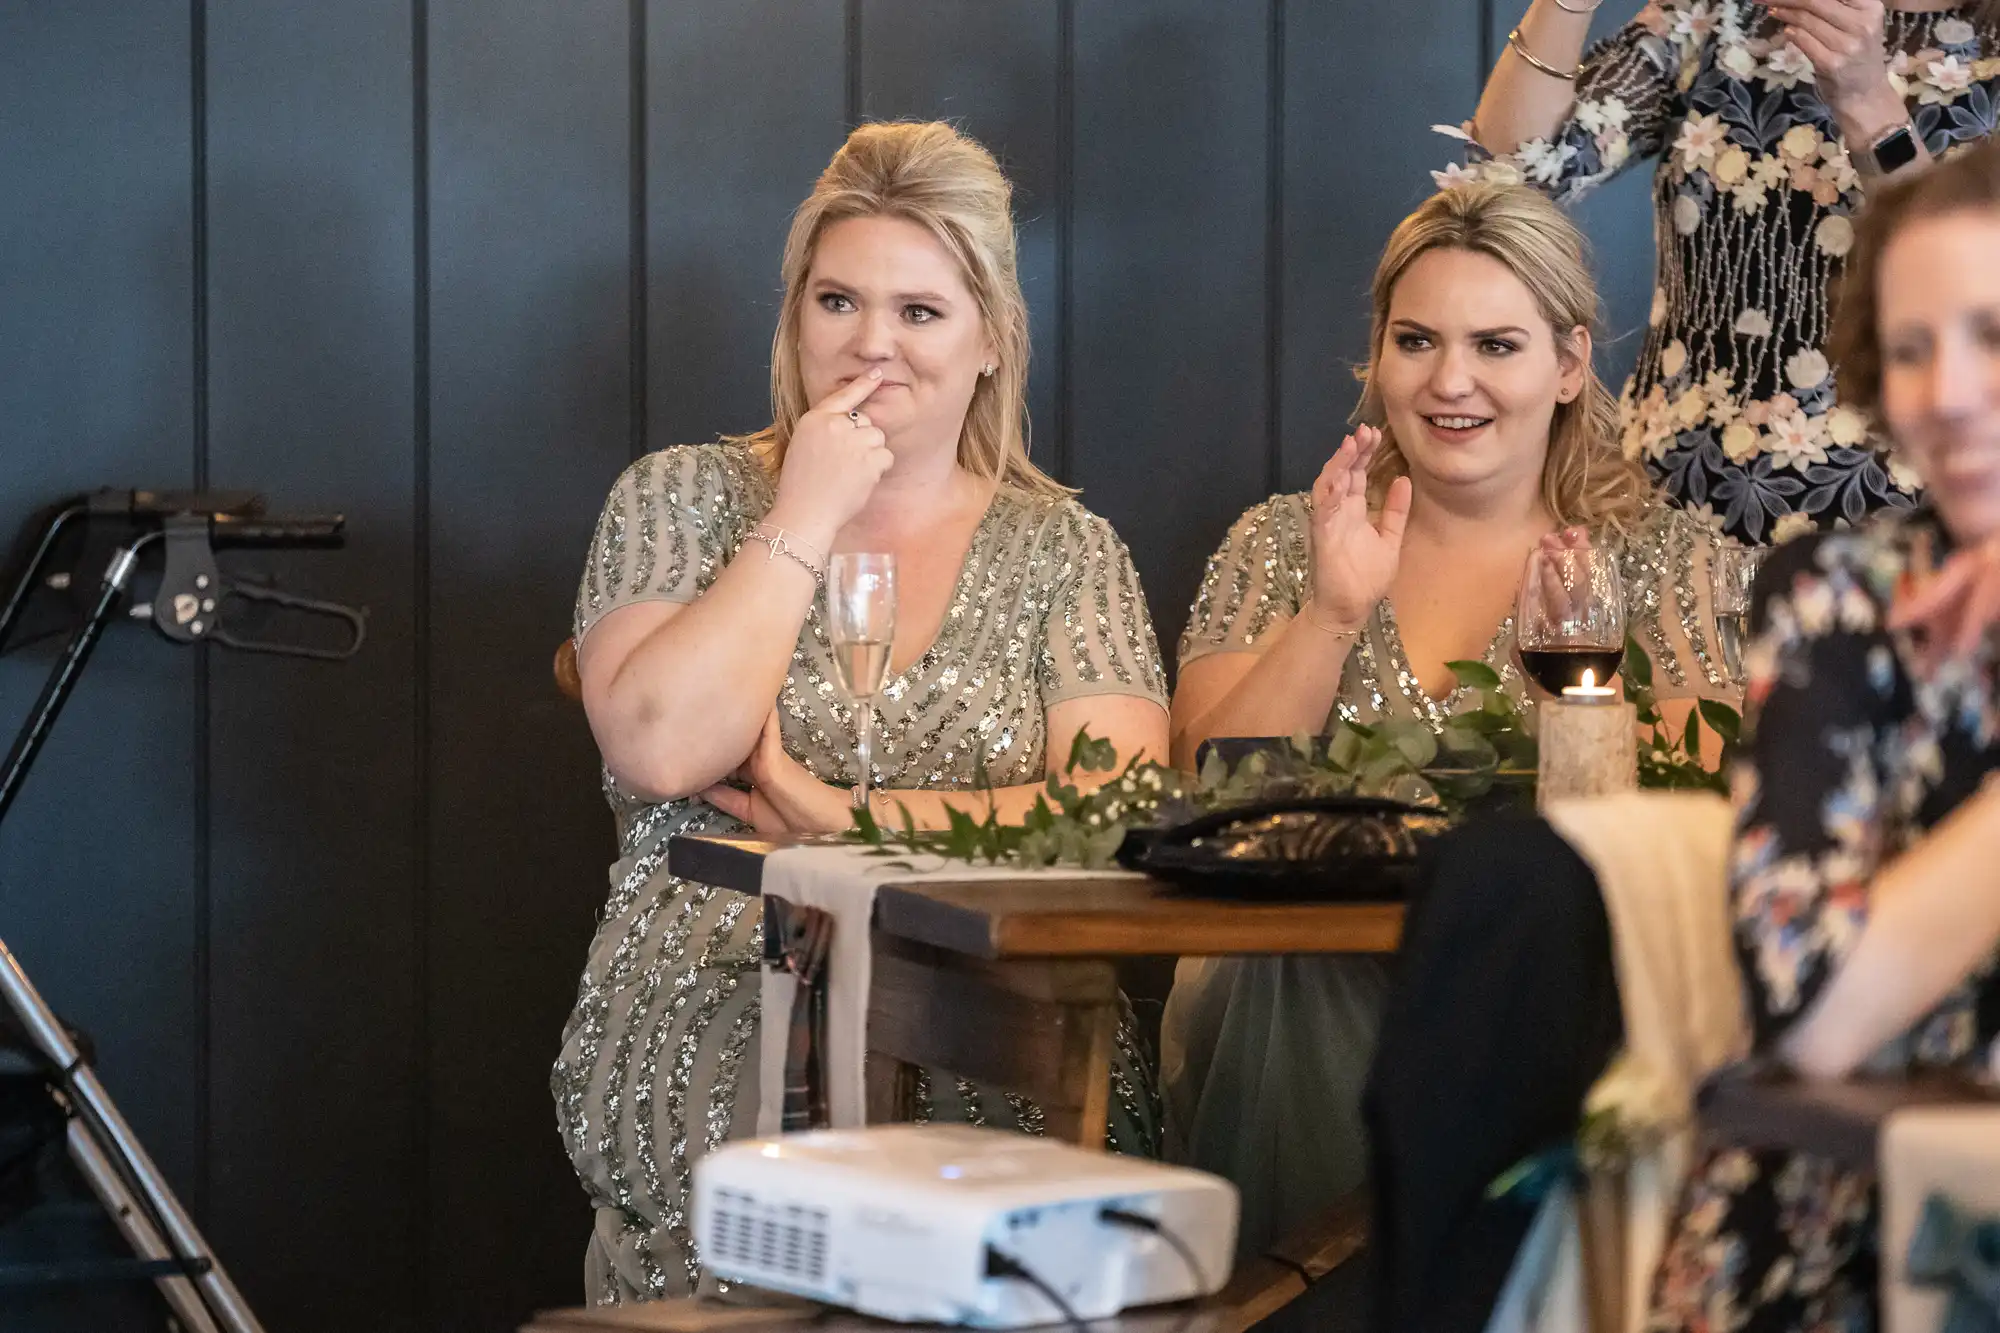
(927, 173)
(1586, 479)
(1967, 180)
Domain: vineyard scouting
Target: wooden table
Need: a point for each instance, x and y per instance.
(1014, 983)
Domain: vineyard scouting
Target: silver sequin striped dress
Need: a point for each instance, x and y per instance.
(660, 1053)
(1263, 1060)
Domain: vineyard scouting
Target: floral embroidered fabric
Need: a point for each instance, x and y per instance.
(1732, 403)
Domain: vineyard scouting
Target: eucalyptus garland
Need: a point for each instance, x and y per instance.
(1482, 754)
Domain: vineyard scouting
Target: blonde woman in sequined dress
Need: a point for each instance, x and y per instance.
(898, 376)
(1489, 435)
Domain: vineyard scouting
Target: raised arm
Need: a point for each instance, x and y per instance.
(1568, 135)
(1262, 658)
(1097, 668)
(678, 677)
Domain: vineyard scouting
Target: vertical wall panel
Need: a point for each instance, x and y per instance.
(314, 864)
(1358, 153)
(530, 206)
(1168, 339)
(743, 108)
(1617, 217)
(97, 858)
(993, 68)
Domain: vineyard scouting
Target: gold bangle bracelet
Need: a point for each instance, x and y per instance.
(1520, 48)
(1324, 628)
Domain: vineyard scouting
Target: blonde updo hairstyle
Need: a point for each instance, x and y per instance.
(1586, 480)
(927, 173)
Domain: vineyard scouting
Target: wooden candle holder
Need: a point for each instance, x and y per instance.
(1587, 749)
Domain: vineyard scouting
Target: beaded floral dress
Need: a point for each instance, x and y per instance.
(659, 1057)
(1262, 1060)
(1732, 404)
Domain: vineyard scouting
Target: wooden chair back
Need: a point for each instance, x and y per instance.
(567, 679)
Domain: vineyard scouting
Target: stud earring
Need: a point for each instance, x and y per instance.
(987, 370)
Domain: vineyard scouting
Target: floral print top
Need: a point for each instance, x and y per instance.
(1852, 757)
(1732, 403)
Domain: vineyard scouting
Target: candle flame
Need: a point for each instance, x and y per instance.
(1589, 679)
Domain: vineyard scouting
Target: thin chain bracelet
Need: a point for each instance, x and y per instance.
(1326, 629)
(789, 544)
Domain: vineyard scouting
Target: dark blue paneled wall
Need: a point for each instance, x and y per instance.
(447, 265)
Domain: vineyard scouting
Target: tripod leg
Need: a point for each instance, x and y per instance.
(138, 1230)
(107, 1128)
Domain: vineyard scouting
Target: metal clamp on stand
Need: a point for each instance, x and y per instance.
(192, 600)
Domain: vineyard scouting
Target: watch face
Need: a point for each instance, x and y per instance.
(1894, 151)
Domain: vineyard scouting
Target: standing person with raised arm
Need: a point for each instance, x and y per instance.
(1766, 126)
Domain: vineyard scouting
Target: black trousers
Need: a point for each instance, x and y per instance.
(1503, 1012)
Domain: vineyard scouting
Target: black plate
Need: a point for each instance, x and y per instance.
(1331, 848)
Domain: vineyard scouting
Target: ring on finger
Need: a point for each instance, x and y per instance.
(855, 417)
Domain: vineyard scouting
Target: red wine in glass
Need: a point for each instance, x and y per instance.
(1555, 667)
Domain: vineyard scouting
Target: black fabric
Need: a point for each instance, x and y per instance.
(1503, 1012)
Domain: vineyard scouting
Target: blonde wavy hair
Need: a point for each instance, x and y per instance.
(1586, 481)
(927, 173)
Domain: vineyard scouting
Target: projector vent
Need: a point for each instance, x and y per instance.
(755, 1238)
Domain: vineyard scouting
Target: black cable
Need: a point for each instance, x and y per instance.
(1140, 1222)
(1004, 1265)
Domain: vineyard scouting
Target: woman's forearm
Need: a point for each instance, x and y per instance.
(1290, 689)
(1520, 102)
(1933, 914)
(684, 707)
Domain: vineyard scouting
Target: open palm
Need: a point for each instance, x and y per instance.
(1355, 555)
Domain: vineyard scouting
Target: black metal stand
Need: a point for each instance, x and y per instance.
(68, 667)
(169, 1250)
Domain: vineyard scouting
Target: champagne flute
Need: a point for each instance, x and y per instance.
(1570, 621)
(861, 624)
(1731, 571)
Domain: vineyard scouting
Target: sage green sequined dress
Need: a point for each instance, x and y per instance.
(1262, 1060)
(659, 1057)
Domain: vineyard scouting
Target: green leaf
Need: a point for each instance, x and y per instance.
(1475, 675)
(1101, 849)
(1378, 773)
(1345, 748)
(865, 825)
(1726, 721)
(1079, 750)
(1638, 666)
(1468, 751)
(1302, 745)
(1692, 738)
(961, 824)
(1412, 740)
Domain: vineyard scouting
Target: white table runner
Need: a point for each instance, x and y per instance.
(842, 881)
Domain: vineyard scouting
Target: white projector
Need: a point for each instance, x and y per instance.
(953, 1225)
